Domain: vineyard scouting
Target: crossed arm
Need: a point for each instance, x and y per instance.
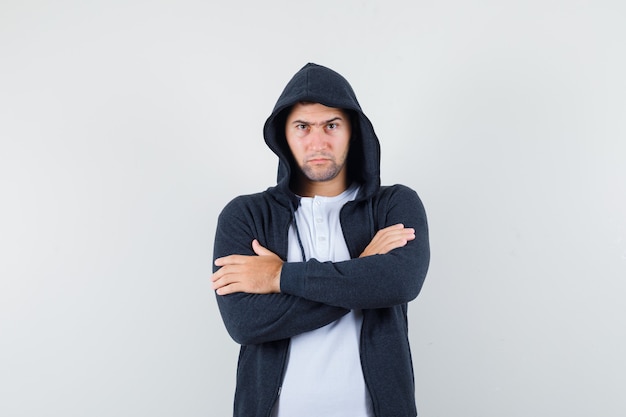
(260, 273)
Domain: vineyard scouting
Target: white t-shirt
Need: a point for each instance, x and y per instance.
(323, 376)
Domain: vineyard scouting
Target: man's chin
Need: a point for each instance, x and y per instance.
(316, 176)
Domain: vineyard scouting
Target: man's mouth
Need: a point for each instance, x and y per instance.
(318, 159)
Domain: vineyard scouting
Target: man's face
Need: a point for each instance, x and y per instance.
(319, 140)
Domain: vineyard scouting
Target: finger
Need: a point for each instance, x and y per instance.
(398, 229)
(394, 226)
(227, 281)
(220, 278)
(228, 289)
(402, 235)
(218, 274)
(260, 250)
(230, 260)
(221, 261)
(218, 283)
(397, 242)
(226, 270)
(389, 236)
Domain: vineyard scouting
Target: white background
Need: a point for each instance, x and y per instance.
(126, 126)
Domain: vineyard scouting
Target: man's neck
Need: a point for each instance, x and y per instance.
(332, 188)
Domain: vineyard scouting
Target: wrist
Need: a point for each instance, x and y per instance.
(277, 279)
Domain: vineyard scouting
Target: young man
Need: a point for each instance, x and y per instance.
(313, 275)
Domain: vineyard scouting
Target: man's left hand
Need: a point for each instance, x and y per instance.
(251, 274)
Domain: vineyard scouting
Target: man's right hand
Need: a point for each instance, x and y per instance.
(389, 238)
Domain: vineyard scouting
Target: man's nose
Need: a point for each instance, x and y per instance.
(318, 139)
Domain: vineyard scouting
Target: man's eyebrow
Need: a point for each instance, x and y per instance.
(304, 122)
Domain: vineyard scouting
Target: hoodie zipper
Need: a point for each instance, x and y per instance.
(282, 375)
(284, 358)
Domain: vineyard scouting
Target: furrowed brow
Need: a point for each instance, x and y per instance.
(334, 119)
(304, 122)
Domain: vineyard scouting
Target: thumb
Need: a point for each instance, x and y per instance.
(260, 250)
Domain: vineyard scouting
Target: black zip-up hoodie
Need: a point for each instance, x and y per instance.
(314, 294)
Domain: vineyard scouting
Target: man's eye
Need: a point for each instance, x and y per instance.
(300, 127)
(332, 125)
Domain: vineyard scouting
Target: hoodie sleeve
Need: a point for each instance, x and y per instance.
(376, 281)
(260, 318)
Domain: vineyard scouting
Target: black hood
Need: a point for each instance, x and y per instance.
(317, 84)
